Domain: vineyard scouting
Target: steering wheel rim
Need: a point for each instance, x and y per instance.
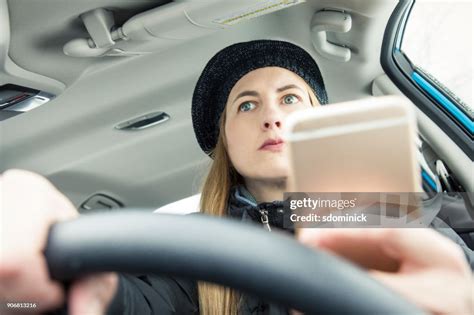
(222, 251)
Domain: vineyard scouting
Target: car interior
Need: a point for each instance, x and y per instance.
(96, 94)
(109, 123)
(77, 138)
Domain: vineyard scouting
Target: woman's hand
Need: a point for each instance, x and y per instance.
(29, 205)
(420, 264)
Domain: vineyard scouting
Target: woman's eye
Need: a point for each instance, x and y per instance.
(245, 107)
(290, 99)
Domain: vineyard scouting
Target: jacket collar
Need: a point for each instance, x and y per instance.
(244, 206)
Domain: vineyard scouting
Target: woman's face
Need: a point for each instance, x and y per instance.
(256, 112)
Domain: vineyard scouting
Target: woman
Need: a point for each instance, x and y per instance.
(239, 108)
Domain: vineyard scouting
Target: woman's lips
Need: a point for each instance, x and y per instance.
(273, 145)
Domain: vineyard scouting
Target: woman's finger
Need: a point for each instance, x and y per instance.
(422, 247)
(29, 284)
(355, 245)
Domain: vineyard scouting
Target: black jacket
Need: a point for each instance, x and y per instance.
(155, 294)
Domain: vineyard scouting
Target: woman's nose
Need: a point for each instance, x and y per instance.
(272, 118)
(271, 124)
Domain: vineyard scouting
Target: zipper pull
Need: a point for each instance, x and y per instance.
(264, 218)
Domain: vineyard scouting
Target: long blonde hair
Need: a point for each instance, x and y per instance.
(215, 299)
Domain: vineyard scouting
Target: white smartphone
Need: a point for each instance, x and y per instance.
(366, 145)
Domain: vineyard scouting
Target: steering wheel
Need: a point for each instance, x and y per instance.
(272, 266)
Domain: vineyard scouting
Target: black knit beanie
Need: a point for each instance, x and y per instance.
(229, 65)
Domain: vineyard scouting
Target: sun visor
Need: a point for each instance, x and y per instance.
(170, 23)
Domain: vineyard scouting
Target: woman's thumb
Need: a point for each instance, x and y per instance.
(92, 295)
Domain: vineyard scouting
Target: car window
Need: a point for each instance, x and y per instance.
(439, 46)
